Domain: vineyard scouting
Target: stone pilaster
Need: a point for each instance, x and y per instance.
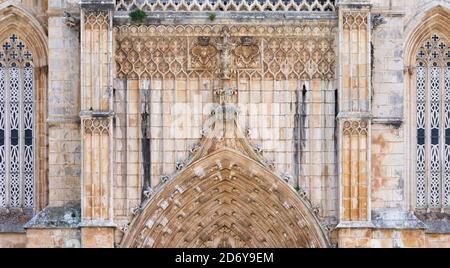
(354, 112)
(96, 123)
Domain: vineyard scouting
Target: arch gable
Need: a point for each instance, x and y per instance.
(16, 20)
(435, 20)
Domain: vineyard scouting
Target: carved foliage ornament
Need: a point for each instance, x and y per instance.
(289, 54)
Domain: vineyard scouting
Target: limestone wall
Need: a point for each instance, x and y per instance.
(159, 119)
(391, 238)
(160, 111)
(53, 238)
(392, 179)
(63, 109)
(388, 138)
(13, 240)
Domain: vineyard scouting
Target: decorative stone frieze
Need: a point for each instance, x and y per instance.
(218, 51)
(232, 5)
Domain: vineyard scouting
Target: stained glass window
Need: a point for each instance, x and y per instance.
(16, 125)
(433, 124)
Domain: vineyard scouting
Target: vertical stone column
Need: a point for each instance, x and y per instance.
(354, 113)
(96, 124)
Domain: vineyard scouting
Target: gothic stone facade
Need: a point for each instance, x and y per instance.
(308, 123)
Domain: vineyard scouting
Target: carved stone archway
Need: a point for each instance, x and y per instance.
(226, 196)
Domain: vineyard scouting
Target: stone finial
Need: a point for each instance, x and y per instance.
(287, 177)
(136, 210)
(165, 179)
(148, 192)
(301, 192)
(194, 148)
(258, 149)
(125, 228)
(316, 210)
(180, 165)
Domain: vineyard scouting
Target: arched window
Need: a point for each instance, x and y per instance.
(16, 125)
(433, 124)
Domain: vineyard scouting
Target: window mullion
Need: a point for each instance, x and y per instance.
(2, 115)
(442, 137)
(21, 145)
(7, 136)
(427, 136)
(20, 191)
(446, 89)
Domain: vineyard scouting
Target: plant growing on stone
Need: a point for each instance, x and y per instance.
(212, 17)
(138, 16)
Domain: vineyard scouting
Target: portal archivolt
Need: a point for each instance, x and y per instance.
(226, 200)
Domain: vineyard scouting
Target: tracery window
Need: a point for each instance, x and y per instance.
(433, 124)
(16, 125)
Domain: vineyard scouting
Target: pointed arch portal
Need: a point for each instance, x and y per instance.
(226, 200)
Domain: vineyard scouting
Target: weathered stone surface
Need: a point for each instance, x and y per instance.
(13, 240)
(68, 216)
(435, 222)
(396, 219)
(324, 100)
(97, 237)
(53, 238)
(13, 221)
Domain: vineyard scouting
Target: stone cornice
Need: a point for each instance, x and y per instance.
(61, 120)
(354, 3)
(98, 4)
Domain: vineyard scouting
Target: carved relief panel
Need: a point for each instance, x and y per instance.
(293, 52)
